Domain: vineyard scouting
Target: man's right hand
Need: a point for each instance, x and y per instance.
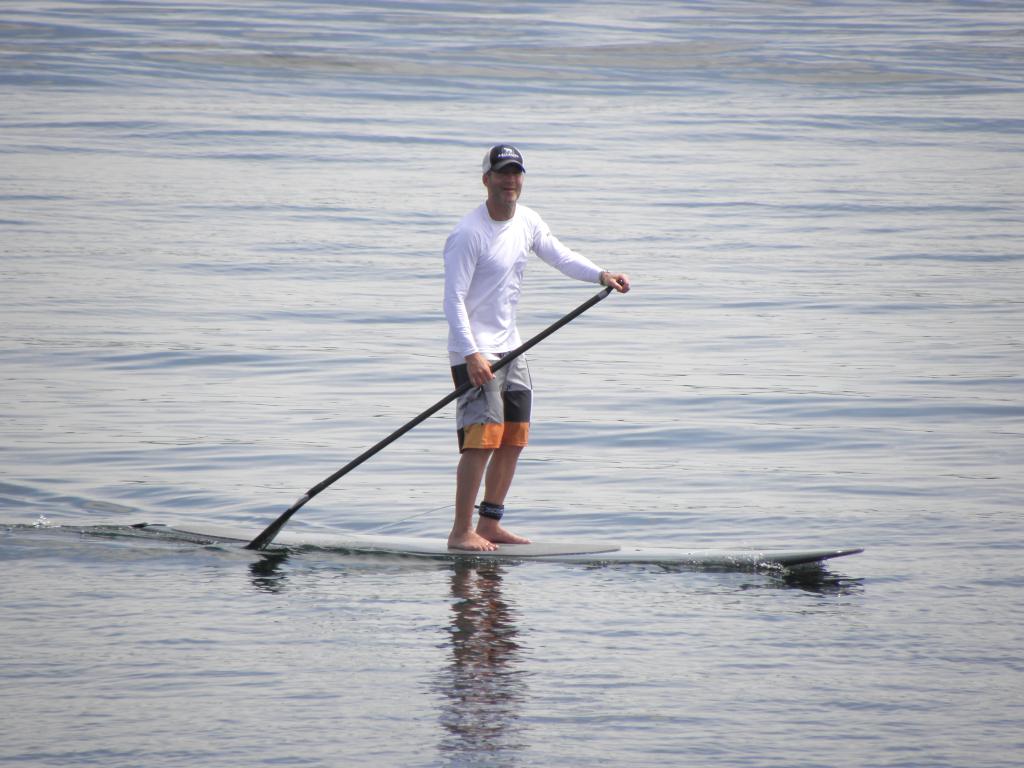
(479, 369)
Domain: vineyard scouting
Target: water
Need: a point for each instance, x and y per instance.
(220, 228)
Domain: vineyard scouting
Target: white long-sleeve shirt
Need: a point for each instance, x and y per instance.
(483, 274)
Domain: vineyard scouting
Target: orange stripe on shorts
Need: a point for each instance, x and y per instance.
(516, 433)
(491, 436)
(486, 436)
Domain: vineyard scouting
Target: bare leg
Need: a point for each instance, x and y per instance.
(472, 464)
(500, 471)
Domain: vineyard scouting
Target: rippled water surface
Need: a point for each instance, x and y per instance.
(220, 280)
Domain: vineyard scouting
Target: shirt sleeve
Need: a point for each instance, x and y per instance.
(459, 263)
(551, 250)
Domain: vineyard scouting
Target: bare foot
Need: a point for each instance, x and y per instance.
(491, 531)
(470, 541)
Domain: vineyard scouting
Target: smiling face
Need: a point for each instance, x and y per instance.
(504, 187)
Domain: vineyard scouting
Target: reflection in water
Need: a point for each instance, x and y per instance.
(266, 572)
(819, 580)
(813, 577)
(483, 686)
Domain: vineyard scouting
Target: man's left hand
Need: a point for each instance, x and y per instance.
(616, 280)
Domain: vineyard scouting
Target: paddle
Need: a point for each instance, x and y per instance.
(261, 541)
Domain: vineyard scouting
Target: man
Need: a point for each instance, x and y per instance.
(484, 259)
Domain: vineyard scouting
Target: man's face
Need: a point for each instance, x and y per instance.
(504, 185)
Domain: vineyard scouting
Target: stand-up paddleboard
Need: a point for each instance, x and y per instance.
(548, 551)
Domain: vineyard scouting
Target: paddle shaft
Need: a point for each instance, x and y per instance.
(267, 536)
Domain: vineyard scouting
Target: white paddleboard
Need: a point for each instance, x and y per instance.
(549, 551)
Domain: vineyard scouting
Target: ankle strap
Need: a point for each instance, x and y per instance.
(491, 511)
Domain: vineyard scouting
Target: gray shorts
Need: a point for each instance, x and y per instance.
(497, 413)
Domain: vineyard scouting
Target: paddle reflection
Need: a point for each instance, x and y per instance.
(266, 572)
(483, 686)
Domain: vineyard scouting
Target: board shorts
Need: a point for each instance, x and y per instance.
(498, 413)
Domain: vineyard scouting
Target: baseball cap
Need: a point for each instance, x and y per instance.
(500, 155)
